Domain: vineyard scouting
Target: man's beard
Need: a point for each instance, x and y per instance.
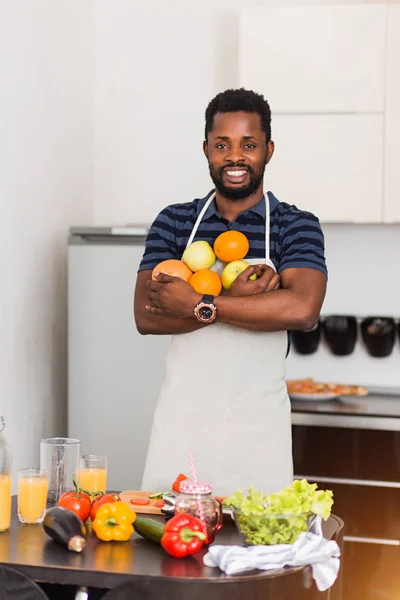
(236, 192)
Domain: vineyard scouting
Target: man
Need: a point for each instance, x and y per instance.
(225, 398)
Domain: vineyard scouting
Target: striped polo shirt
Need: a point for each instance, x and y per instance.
(296, 238)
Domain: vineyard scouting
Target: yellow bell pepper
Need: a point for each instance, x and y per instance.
(114, 522)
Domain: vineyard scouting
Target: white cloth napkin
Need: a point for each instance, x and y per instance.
(309, 549)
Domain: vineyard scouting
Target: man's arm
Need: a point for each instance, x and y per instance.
(150, 320)
(147, 322)
(296, 306)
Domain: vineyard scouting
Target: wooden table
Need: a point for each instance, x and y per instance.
(152, 573)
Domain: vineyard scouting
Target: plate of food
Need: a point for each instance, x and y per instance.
(313, 391)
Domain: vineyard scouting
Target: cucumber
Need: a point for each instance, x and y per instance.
(149, 529)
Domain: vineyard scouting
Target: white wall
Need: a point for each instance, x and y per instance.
(46, 181)
(157, 67)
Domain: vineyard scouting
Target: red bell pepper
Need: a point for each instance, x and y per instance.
(183, 536)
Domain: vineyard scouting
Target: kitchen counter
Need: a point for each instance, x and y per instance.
(375, 411)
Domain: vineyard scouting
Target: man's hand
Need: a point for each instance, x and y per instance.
(171, 296)
(267, 281)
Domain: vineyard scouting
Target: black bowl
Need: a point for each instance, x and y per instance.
(379, 335)
(306, 342)
(340, 333)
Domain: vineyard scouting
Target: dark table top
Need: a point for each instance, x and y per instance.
(109, 564)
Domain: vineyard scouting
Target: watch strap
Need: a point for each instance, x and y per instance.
(208, 299)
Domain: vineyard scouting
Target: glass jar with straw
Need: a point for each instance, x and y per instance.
(196, 499)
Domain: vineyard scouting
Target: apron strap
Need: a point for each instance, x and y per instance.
(199, 218)
(267, 224)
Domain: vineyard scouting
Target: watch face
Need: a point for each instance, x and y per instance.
(206, 313)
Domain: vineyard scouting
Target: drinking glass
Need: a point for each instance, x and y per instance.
(5, 481)
(92, 473)
(32, 495)
(60, 458)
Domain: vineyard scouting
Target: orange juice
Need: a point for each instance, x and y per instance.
(5, 502)
(93, 479)
(32, 498)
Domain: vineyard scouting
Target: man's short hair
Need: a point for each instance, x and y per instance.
(240, 100)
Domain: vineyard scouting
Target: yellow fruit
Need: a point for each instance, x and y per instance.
(198, 256)
(232, 270)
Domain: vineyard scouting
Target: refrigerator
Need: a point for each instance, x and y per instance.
(114, 373)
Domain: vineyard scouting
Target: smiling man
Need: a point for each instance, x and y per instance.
(225, 397)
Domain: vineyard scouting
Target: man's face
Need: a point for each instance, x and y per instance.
(237, 153)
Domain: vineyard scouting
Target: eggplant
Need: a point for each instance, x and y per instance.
(65, 527)
(340, 334)
(379, 334)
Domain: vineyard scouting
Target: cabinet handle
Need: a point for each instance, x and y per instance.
(366, 482)
(366, 540)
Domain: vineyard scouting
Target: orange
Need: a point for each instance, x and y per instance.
(206, 282)
(231, 245)
(173, 267)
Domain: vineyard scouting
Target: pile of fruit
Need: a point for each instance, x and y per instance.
(197, 261)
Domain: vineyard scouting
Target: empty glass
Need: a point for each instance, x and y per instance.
(60, 458)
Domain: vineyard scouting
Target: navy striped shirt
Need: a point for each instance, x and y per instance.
(296, 238)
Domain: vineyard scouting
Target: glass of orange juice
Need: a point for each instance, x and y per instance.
(32, 495)
(5, 502)
(92, 473)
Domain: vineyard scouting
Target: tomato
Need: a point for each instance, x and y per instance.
(140, 501)
(76, 503)
(160, 503)
(177, 482)
(74, 494)
(106, 499)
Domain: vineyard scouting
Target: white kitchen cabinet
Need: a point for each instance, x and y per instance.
(315, 58)
(330, 165)
(391, 207)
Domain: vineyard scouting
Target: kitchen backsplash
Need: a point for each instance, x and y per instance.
(364, 280)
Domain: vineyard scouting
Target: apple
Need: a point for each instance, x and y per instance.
(199, 255)
(232, 270)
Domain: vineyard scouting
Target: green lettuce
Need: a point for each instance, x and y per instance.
(279, 518)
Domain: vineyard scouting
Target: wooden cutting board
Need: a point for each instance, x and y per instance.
(148, 509)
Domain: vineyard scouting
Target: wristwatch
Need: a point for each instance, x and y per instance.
(206, 311)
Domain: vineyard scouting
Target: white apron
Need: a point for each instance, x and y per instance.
(225, 400)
